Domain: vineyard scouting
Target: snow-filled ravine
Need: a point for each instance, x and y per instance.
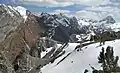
(77, 62)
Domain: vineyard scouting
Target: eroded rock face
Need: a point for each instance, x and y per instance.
(57, 23)
(9, 21)
(17, 39)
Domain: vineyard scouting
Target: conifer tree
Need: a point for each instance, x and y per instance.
(108, 60)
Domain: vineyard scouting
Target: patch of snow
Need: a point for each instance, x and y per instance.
(78, 36)
(92, 33)
(22, 11)
(48, 50)
(10, 11)
(115, 26)
(82, 22)
(7, 9)
(45, 52)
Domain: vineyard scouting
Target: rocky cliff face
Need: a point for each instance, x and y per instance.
(9, 20)
(58, 23)
(17, 37)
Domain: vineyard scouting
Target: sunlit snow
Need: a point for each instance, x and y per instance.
(22, 11)
(81, 60)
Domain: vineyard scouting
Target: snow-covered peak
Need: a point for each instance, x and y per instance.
(108, 20)
(97, 25)
(22, 11)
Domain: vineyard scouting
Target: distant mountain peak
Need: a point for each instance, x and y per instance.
(108, 20)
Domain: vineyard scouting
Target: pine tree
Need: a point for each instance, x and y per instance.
(108, 60)
(101, 59)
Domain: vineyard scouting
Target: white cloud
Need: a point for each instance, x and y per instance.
(65, 12)
(93, 11)
(62, 11)
(106, 8)
(99, 12)
(87, 14)
(49, 3)
(106, 2)
(114, 11)
(54, 3)
(84, 2)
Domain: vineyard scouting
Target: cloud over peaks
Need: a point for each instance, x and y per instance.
(62, 3)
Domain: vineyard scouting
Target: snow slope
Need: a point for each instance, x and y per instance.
(80, 60)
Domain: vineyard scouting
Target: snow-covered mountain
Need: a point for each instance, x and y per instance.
(57, 23)
(40, 37)
(76, 62)
(106, 24)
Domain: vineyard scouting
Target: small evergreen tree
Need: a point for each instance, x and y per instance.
(108, 60)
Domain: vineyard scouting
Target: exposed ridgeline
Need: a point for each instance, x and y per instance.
(9, 21)
(58, 26)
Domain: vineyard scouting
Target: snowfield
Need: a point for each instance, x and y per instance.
(77, 62)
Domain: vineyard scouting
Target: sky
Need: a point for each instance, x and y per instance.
(94, 9)
(8, 1)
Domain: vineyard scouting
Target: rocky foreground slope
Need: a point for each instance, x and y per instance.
(15, 43)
